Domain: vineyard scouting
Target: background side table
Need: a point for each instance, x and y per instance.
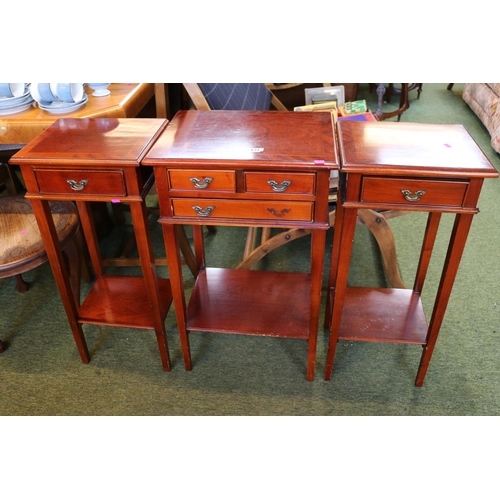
(401, 166)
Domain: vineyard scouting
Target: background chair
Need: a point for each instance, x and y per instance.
(21, 245)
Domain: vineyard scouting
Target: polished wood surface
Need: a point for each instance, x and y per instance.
(126, 100)
(247, 156)
(207, 139)
(283, 311)
(111, 150)
(426, 150)
(408, 167)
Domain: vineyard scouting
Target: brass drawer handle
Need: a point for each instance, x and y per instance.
(413, 197)
(203, 212)
(278, 213)
(77, 186)
(279, 188)
(201, 184)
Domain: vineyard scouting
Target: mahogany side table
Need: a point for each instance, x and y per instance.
(246, 168)
(87, 160)
(401, 166)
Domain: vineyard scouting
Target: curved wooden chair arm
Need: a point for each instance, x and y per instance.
(196, 95)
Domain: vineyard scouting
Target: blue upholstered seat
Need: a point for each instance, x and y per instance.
(237, 96)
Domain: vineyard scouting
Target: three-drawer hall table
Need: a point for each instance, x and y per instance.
(99, 159)
(246, 168)
(432, 168)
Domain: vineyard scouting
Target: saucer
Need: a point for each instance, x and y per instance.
(16, 109)
(62, 108)
(101, 93)
(8, 102)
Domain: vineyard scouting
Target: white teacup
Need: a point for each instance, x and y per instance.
(45, 92)
(12, 89)
(70, 92)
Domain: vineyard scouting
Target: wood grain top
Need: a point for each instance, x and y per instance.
(208, 138)
(92, 142)
(397, 148)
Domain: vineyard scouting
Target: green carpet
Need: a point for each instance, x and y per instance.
(41, 372)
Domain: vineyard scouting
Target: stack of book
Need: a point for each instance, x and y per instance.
(356, 110)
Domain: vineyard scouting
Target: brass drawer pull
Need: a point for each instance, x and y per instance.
(77, 186)
(201, 184)
(278, 213)
(279, 188)
(203, 212)
(413, 197)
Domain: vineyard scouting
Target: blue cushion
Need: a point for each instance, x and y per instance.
(236, 96)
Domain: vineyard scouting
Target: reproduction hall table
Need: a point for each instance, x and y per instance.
(87, 160)
(401, 166)
(246, 168)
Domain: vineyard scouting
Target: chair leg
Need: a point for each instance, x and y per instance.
(21, 285)
(250, 259)
(378, 226)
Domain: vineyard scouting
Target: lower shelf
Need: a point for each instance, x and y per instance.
(123, 301)
(265, 303)
(383, 315)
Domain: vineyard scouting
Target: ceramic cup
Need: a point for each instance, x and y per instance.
(45, 92)
(12, 89)
(70, 92)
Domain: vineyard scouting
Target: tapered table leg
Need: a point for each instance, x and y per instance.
(450, 269)
(48, 231)
(348, 226)
(141, 227)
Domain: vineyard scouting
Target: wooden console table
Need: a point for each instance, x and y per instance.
(246, 168)
(401, 166)
(87, 160)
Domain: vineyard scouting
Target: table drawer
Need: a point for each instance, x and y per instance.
(84, 182)
(279, 182)
(443, 193)
(212, 180)
(243, 209)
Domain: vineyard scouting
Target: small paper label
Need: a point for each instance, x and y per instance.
(257, 150)
(115, 201)
(319, 162)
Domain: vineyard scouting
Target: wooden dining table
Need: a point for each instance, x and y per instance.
(126, 100)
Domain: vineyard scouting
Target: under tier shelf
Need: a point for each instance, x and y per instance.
(266, 303)
(383, 315)
(123, 301)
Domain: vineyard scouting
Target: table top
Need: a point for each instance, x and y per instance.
(256, 138)
(91, 142)
(401, 148)
(126, 100)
